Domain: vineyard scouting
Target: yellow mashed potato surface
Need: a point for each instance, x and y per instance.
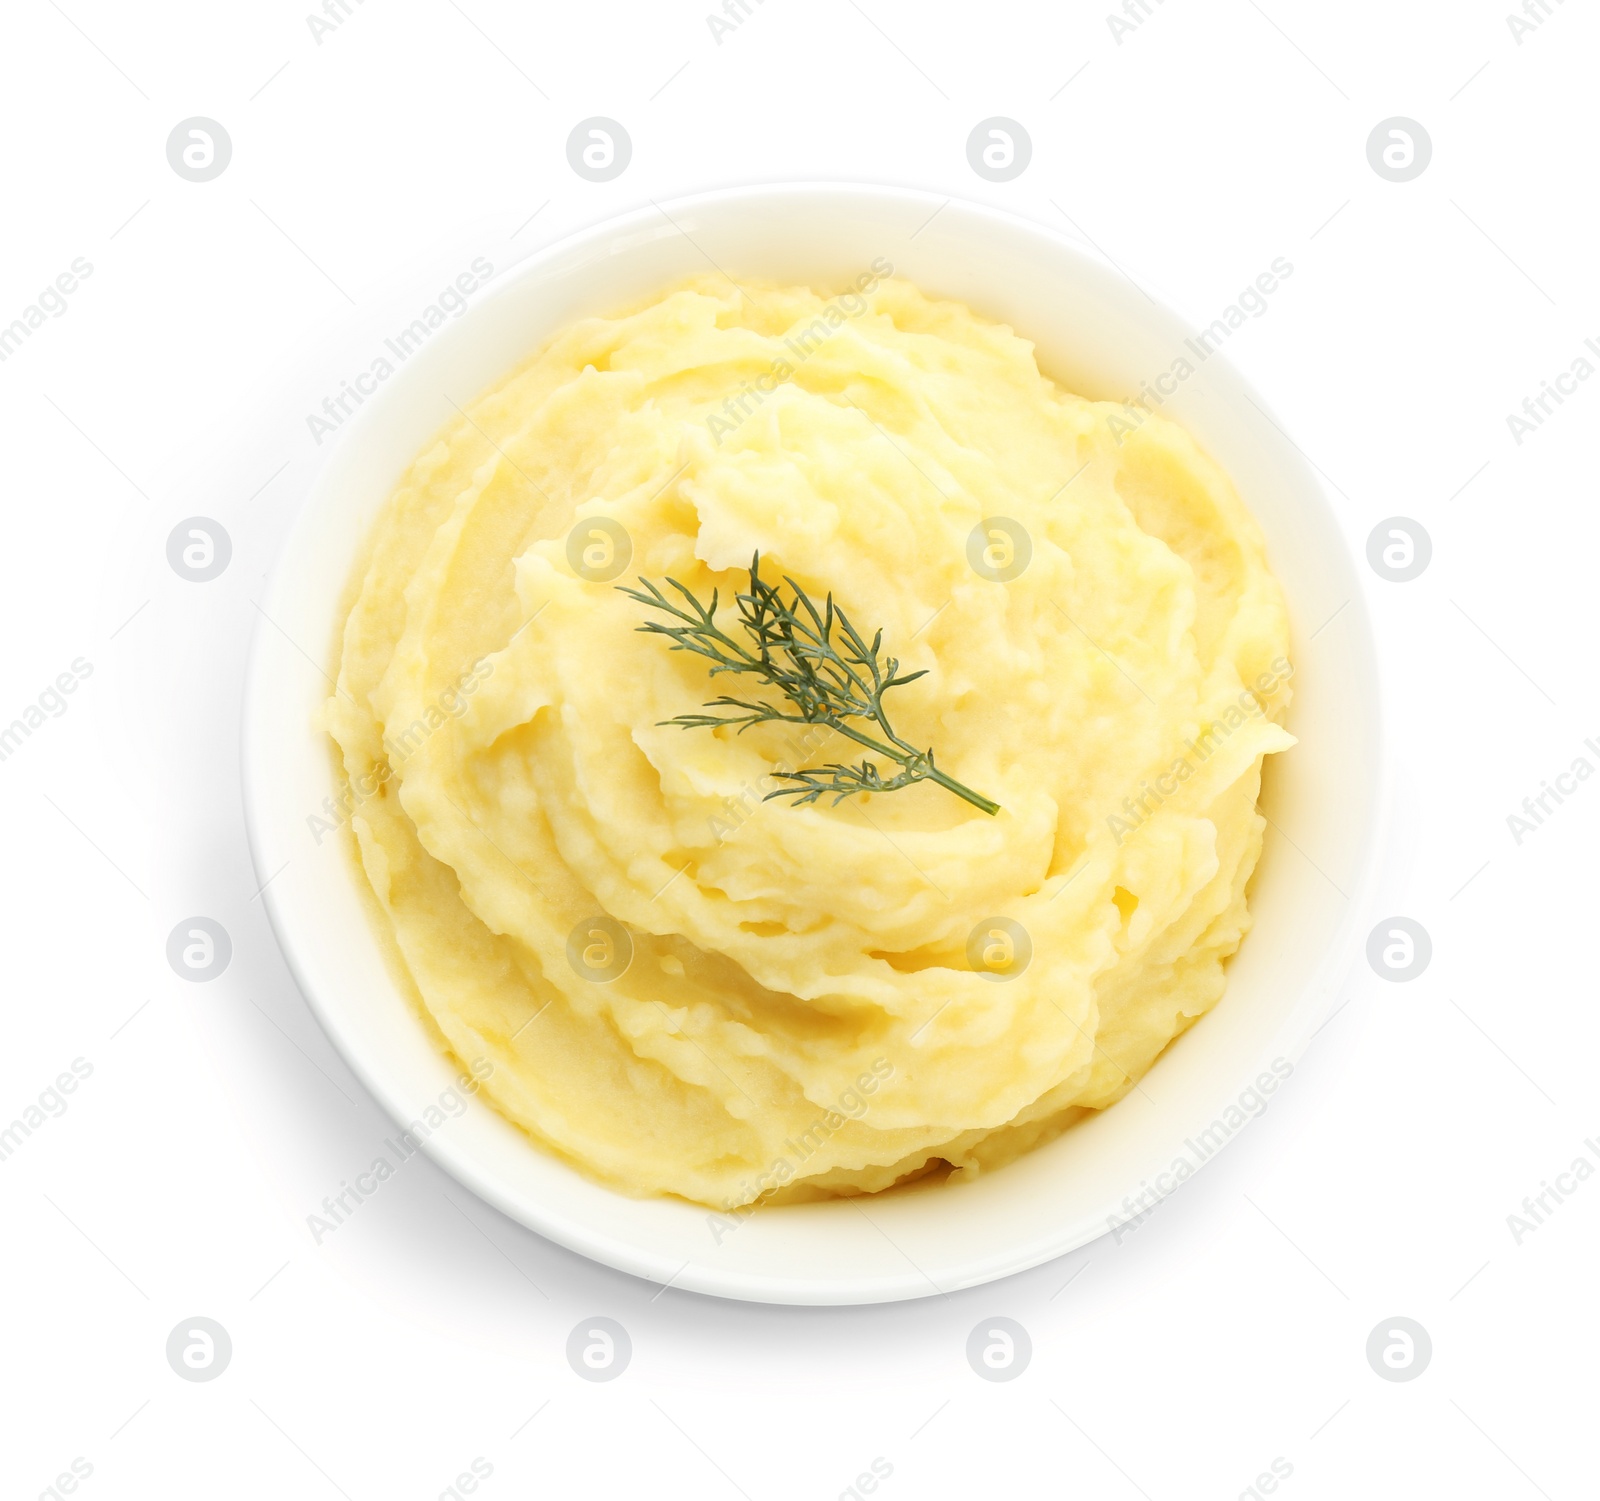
(819, 999)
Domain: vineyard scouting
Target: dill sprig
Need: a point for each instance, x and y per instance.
(824, 680)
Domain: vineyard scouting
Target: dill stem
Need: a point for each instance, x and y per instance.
(977, 799)
(931, 773)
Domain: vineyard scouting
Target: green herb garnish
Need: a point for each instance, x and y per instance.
(792, 648)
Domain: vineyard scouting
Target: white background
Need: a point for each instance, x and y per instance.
(1230, 1328)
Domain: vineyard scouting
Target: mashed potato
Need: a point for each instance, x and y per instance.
(685, 989)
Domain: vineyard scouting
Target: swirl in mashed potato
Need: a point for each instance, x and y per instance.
(811, 1001)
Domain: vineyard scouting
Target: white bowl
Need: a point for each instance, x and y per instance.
(1096, 334)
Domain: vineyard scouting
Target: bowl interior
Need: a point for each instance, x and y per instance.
(1096, 334)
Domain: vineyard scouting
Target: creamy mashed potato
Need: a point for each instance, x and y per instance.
(684, 989)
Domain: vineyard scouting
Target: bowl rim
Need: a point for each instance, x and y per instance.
(596, 1243)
